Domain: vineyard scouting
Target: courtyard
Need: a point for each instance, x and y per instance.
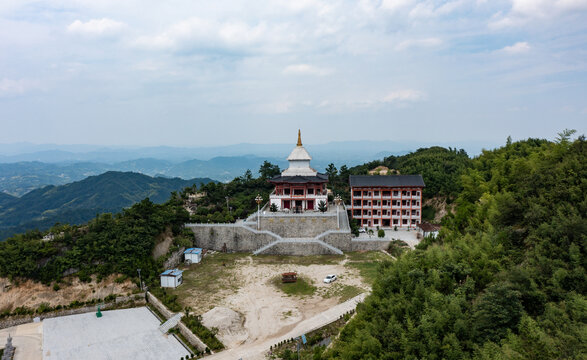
(242, 296)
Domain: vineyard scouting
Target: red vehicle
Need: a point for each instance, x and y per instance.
(289, 277)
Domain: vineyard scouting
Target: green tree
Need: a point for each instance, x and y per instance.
(331, 171)
(268, 170)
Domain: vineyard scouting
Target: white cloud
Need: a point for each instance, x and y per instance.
(305, 69)
(209, 34)
(404, 96)
(524, 11)
(418, 43)
(517, 48)
(395, 5)
(9, 87)
(96, 27)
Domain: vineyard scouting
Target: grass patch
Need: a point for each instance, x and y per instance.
(213, 274)
(206, 335)
(367, 263)
(342, 291)
(314, 347)
(302, 287)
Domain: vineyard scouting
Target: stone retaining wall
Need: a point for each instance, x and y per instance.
(237, 238)
(174, 259)
(369, 245)
(151, 299)
(302, 249)
(298, 226)
(191, 337)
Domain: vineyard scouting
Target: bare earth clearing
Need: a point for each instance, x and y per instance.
(246, 305)
(31, 294)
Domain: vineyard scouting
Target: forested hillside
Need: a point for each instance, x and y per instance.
(120, 243)
(6, 199)
(505, 280)
(123, 242)
(79, 202)
(440, 168)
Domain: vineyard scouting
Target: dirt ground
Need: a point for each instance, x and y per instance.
(245, 286)
(31, 294)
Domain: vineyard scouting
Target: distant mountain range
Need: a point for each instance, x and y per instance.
(25, 167)
(19, 178)
(80, 201)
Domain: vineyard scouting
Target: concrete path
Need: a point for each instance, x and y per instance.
(258, 350)
(27, 339)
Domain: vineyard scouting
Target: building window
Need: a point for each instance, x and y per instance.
(298, 191)
(286, 191)
(387, 193)
(404, 221)
(311, 191)
(357, 203)
(376, 222)
(395, 222)
(356, 193)
(395, 193)
(376, 193)
(414, 192)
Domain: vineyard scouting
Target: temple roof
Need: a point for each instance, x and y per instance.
(389, 180)
(318, 178)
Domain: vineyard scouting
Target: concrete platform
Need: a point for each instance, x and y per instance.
(27, 339)
(118, 334)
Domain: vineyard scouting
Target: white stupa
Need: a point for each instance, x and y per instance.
(299, 161)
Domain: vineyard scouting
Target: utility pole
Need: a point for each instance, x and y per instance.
(259, 200)
(140, 281)
(337, 201)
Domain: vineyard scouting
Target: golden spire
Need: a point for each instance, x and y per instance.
(299, 138)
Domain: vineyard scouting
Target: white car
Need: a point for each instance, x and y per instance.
(362, 230)
(329, 278)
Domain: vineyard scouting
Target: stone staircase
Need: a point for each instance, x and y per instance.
(172, 322)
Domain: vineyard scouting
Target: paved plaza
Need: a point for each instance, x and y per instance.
(118, 334)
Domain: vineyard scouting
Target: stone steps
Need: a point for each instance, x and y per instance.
(173, 321)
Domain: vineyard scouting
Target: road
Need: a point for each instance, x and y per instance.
(258, 350)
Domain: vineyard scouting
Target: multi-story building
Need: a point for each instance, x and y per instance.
(387, 201)
(299, 187)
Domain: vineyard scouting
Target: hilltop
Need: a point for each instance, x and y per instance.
(79, 202)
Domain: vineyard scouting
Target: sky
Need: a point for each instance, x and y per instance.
(204, 73)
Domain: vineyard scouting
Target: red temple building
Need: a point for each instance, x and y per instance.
(299, 187)
(387, 201)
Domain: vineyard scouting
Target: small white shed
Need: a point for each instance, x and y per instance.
(171, 278)
(193, 255)
(427, 229)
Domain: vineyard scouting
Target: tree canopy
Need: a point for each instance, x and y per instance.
(506, 277)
